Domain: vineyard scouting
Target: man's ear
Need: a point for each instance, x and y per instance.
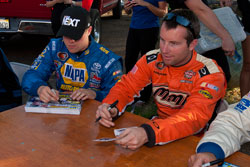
(193, 44)
(89, 30)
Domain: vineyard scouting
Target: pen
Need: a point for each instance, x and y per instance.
(53, 90)
(217, 161)
(110, 107)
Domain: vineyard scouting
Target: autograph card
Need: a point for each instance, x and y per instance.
(119, 131)
(105, 139)
(227, 164)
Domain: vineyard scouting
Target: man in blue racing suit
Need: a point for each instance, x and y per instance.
(82, 66)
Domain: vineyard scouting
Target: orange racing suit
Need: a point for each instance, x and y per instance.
(185, 96)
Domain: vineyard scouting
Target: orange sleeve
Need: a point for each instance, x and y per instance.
(130, 85)
(194, 115)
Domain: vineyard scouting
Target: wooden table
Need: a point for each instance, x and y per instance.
(50, 140)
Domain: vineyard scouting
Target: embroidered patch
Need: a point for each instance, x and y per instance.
(86, 52)
(62, 55)
(204, 71)
(185, 81)
(134, 69)
(210, 86)
(242, 105)
(160, 65)
(189, 74)
(151, 58)
(57, 63)
(109, 63)
(206, 94)
(169, 98)
(159, 73)
(95, 78)
(96, 67)
(116, 72)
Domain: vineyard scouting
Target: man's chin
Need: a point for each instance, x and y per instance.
(72, 51)
(167, 63)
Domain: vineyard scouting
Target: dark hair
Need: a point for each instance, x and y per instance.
(193, 29)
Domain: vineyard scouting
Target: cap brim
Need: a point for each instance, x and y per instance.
(69, 32)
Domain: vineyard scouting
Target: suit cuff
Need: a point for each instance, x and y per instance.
(150, 133)
(211, 148)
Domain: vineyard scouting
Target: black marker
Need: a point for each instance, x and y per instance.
(217, 161)
(110, 107)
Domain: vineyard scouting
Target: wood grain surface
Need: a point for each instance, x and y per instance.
(51, 140)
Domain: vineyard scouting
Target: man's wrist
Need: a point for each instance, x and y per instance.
(116, 116)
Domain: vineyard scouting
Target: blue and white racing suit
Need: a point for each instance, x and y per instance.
(97, 68)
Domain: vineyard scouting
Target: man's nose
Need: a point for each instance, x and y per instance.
(71, 40)
(166, 48)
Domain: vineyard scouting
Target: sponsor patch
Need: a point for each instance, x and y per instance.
(189, 74)
(160, 65)
(94, 85)
(159, 73)
(44, 51)
(204, 71)
(53, 45)
(169, 98)
(68, 21)
(96, 67)
(57, 63)
(210, 86)
(36, 63)
(206, 94)
(86, 52)
(134, 69)
(62, 55)
(185, 81)
(74, 73)
(68, 87)
(151, 58)
(116, 72)
(95, 78)
(109, 63)
(104, 50)
(242, 105)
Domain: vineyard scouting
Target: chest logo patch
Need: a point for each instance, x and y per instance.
(169, 98)
(189, 74)
(74, 73)
(62, 55)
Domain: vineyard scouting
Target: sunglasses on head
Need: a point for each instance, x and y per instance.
(180, 20)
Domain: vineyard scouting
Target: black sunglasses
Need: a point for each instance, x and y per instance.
(182, 21)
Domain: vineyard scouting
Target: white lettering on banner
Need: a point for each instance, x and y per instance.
(70, 22)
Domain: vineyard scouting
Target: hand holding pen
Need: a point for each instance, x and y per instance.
(46, 94)
(105, 113)
(203, 159)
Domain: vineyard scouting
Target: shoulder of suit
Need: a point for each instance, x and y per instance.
(152, 55)
(208, 66)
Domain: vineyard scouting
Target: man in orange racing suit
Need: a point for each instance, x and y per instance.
(186, 86)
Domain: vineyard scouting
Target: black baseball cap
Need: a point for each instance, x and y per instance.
(75, 20)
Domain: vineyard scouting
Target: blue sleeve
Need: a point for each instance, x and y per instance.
(212, 148)
(111, 76)
(40, 71)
